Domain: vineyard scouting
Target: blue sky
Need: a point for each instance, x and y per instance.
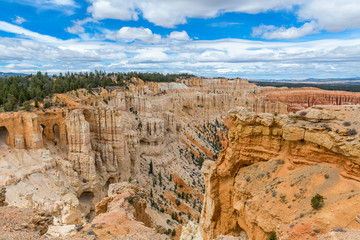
(260, 39)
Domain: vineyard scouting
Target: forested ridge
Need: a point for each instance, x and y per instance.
(16, 92)
(354, 87)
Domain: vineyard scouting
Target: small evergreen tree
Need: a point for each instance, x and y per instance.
(160, 178)
(36, 104)
(272, 236)
(151, 170)
(27, 106)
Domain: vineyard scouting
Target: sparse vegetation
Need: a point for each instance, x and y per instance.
(317, 201)
(36, 104)
(130, 199)
(160, 178)
(272, 236)
(151, 170)
(346, 124)
(174, 216)
(327, 128)
(351, 132)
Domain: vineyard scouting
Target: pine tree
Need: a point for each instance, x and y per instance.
(10, 103)
(160, 179)
(151, 170)
(21, 97)
(36, 104)
(26, 106)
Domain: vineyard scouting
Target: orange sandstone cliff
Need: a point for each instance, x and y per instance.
(300, 98)
(273, 166)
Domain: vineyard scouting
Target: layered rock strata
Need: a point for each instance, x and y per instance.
(301, 98)
(273, 166)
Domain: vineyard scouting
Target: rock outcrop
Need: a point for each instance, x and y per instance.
(3, 196)
(298, 99)
(191, 231)
(273, 166)
(22, 223)
(123, 214)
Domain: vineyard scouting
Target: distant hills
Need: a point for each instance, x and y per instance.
(342, 84)
(10, 74)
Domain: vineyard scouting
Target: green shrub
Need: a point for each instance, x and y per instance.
(36, 104)
(346, 124)
(130, 199)
(351, 132)
(272, 236)
(317, 201)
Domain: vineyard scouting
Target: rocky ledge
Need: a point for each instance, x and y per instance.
(265, 179)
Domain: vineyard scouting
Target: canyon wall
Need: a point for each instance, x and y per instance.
(64, 159)
(265, 178)
(301, 98)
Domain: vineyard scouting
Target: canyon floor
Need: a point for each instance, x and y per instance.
(195, 159)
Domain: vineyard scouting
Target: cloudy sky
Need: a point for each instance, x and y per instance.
(263, 39)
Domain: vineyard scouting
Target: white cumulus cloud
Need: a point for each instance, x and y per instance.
(30, 51)
(331, 15)
(130, 34)
(78, 26)
(181, 36)
(334, 15)
(272, 32)
(171, 13)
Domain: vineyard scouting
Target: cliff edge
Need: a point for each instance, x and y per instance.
(272, 167)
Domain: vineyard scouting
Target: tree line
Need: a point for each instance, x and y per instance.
(353, 87)
(17, 91)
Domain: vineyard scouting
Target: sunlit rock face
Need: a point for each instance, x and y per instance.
(273, 166)
(64, 159)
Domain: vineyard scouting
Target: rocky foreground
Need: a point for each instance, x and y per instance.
(272, 167)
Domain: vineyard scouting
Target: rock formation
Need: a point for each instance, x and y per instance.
(122, 213)
(272, 167)
(301, 98)
(64, 160)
